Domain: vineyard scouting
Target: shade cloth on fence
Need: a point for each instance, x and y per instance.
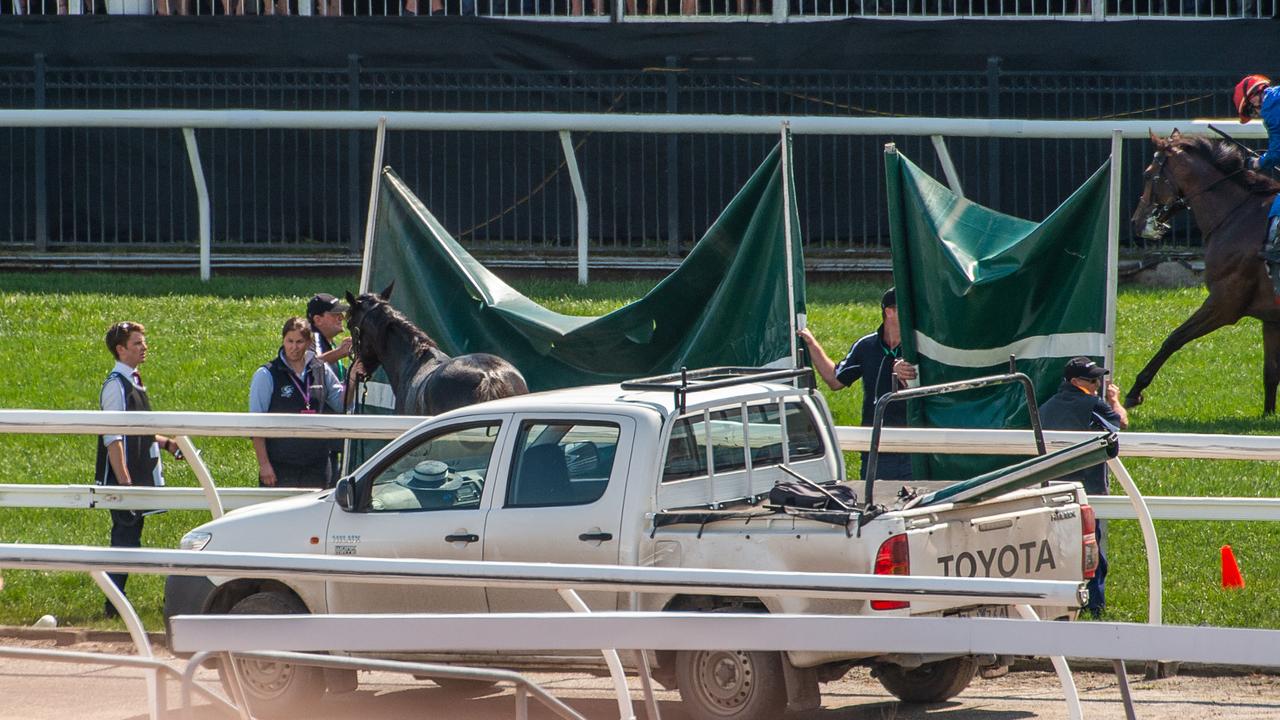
(975, 286)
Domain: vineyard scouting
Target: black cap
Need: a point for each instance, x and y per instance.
(323, 303)
(1082, 367)
(889, 299)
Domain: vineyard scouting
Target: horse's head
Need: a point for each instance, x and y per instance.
(1162, 195)
(366, 321)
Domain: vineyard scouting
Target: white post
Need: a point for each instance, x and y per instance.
(202, 474)
(580, 196)
(625, 710)
(1155, 575)
(1113, 247)
(1074, 711)
(948, 167)
(136, 633)
(202, 202)
(785, 163)
(371, 217)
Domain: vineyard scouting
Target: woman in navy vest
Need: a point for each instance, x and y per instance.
(296, 382)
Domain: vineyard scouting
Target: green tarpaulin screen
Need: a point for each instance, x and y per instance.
(976, 286)
(726, 304)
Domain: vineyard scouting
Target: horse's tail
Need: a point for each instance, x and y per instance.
(469, 379)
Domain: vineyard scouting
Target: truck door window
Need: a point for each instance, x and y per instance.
(561, 463)
(443, 472)
(730, 437)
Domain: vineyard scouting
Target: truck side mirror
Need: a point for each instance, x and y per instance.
(344, 493)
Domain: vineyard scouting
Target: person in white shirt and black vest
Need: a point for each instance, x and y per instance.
(128, 459)
(296, 381)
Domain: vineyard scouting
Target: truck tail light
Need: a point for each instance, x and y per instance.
(1089, 541)
(893, 558)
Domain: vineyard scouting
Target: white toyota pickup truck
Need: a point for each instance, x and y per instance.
(673, 471)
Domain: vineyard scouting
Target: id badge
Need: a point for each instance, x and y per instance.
(307, 411)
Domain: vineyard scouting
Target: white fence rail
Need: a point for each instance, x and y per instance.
(696, 631)
(980, 442)
(566, 579)
(563, 124)
(608, 578)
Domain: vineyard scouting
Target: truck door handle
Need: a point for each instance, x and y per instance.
(596, 537)
(467, 538)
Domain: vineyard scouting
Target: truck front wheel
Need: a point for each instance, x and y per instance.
(931, 682)
(275, 689)
(736, 684)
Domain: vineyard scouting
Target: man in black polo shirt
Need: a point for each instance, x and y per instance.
(1076, 406)
(128, 459)
(875, 360)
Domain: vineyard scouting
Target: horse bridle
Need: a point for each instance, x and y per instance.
(1158, 224)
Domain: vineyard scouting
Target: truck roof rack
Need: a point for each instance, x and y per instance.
(686, 381)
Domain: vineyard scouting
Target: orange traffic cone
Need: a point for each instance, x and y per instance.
(1231, 577)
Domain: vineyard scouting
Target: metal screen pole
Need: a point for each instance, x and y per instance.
(785, 163)
(371, 219)
(1113, 247)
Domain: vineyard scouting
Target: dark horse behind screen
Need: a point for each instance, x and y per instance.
(424, 379)
(1230, 204)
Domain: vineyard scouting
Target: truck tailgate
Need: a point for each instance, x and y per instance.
(1031, 534)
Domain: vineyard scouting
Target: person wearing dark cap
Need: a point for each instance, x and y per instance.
(325, 313)
(1077, 406)
(875, 360)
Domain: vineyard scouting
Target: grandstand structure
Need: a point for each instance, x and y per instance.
(278, 192)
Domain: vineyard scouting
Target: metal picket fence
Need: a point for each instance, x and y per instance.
(286, 190)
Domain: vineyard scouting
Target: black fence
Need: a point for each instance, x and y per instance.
(93, 189)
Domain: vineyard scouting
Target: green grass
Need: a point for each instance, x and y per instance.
(206, 340)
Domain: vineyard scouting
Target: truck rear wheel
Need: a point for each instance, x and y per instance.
(275, 689)
(736, 684)
(931, 682)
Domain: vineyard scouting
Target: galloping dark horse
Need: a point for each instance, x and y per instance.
(424, 379)
(1230, 205)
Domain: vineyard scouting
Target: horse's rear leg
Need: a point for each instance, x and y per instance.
(1206, 319)
(1270, 365)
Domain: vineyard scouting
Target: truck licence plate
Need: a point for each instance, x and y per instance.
(984, 611)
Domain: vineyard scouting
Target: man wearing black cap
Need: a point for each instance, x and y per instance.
(325, 313)
(876, 361)
(1076, 406)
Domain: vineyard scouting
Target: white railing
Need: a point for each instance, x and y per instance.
(696, 631)
(563, 124)
(565, 579)
(959, 441)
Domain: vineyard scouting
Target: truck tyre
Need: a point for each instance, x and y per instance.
(731, 684)
(930, 683)
(275, 689)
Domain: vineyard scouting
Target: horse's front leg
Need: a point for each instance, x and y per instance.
(1209, 317)
(1270, 365)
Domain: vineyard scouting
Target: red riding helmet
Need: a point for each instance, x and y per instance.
(1245, 90)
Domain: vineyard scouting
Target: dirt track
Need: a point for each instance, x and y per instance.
(55, 691)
